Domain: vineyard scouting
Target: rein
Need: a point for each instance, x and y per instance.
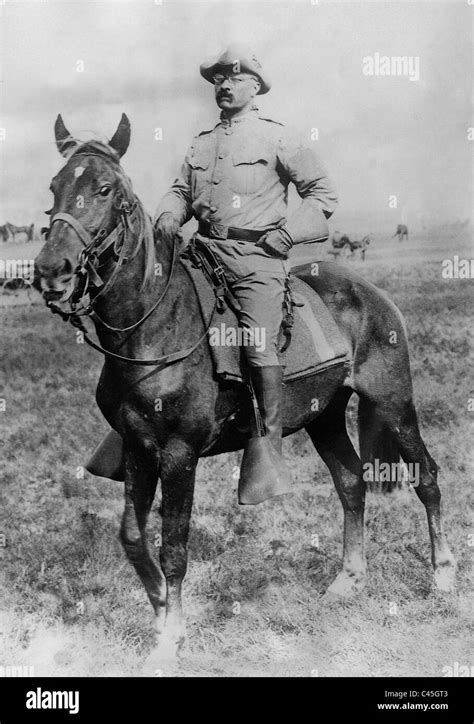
(91, 258)
(159, 362)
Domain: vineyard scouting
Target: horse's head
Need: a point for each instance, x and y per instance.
(88, 193)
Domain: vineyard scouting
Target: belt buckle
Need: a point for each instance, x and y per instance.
(217, 231)
(219, 271)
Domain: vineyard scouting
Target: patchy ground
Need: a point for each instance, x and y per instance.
(70, 604)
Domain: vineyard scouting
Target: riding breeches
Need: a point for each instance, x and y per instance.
(257, 280)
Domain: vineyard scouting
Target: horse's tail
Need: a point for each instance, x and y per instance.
(379, 451)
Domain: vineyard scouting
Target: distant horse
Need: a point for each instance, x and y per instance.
(99, 261)
(401, 232)
(15, 231)
(16, 285)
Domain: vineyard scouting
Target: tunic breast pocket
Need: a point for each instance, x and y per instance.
(200, 162)
(249, 170)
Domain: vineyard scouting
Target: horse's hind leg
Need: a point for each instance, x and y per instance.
(413, 450)
(329, 436)
(140, 486)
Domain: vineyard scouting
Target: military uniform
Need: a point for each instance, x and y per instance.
(234, 181)
(237, 175)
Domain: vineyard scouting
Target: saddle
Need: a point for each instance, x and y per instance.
(310, 341)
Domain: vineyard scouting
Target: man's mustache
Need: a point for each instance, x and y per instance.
(224, 94)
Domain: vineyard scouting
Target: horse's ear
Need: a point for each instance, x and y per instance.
(121, 138)
(64, 140)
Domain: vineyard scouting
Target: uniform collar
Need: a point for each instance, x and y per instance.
(248, 116)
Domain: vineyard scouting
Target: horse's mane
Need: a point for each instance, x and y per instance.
(144, 232)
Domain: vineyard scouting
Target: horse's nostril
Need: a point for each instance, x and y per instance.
(67, 267)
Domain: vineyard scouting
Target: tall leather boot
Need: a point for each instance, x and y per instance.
(263, 472)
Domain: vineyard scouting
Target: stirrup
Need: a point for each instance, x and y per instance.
(263, 472)
(107, 459)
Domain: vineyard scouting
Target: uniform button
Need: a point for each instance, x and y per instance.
(221, 155)
(216, 181)
(213, 209)
(228, 132)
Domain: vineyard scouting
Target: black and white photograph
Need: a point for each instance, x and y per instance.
(236, 398)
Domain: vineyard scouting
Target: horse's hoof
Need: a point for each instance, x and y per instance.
(160, 664)
(344, 586)
(444, 577)
(164, 660)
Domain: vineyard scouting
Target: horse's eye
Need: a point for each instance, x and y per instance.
(105, 190)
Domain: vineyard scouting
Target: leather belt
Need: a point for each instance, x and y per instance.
(220, 231)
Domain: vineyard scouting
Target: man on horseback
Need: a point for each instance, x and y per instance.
(234, 181)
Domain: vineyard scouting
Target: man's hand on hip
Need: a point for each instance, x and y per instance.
(166, 226)
(276, 243)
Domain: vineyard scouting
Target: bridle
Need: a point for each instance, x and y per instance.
(89, 286)
(96, 251)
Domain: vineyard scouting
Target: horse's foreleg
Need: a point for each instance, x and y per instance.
(178, 473)
(329, 436)
(140, 486)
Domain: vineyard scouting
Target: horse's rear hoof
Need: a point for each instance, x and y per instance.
(444, 577)
(344, 586)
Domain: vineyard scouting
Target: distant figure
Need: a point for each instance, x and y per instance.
(27, 230)
(401, 232)
(5, 234)
(364, 244)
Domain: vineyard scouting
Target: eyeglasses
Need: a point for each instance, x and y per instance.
(219, 78)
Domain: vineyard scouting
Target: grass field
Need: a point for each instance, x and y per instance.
(70, 603)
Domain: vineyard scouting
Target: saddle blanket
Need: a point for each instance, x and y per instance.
(316, 341)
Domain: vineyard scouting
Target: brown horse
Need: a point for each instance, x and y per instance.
(26, 231)
(401, 232)
(145, 317)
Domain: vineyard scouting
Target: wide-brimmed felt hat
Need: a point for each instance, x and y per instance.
(236, 56)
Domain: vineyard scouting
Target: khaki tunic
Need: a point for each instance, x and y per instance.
(238, 174)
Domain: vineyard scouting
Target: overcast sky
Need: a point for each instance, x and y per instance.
(379, 135)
